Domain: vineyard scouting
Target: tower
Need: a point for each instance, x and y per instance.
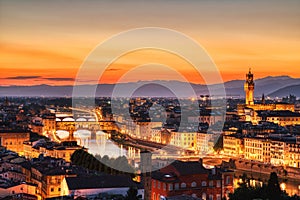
(146, 167)
(249, 88)
(263, 100)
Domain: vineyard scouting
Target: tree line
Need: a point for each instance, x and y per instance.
(105, 164)
(269, 191)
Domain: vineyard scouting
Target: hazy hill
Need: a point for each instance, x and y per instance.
(272, 86)
(293, 89)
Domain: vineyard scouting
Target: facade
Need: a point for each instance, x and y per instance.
(192, 179)
(22, 188)
(184, 140)
(49, 124)
(257, 149)
(233, 145)
(62, 150)
(204, 142)
(279, 153)
(294, 155)
(13, 140)
(283, 118)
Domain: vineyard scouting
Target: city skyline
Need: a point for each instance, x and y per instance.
(41, 41)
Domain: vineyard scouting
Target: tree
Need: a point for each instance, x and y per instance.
(132, 194)
(219, 144)
(273, 189)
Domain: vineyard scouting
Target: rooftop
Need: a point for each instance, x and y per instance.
(104, 181)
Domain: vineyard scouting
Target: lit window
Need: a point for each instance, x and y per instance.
(218, 183)
(228, 180)
(194, 184)
(183, 185)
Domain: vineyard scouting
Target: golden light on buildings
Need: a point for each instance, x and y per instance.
(283, 186)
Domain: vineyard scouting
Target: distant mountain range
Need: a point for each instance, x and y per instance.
(277, 86)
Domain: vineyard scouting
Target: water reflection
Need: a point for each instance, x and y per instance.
(291, 186)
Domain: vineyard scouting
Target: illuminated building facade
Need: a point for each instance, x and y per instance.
(258, 149)
(13, 140)
(49, 124)
(233, 146)
(185, 140)
(63, 150)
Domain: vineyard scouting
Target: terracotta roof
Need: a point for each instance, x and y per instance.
(189, 168)
(104, 181)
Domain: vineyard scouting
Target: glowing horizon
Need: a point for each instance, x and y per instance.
(46, 42)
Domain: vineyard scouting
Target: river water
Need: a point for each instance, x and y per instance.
(102, 145)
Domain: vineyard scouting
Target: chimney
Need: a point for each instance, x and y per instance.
(213, 170)
(201, 161)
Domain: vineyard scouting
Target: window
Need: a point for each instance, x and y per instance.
(153, 195)
(59, 189)
(203, 183)
(154, 183)
(176, 186)
(211, 183)
(218, 183)
(170, 187)
(164, 186)
(52, 189)
(211, 197)
(158, 185)
(203, 195)
(183, 185)
(228, 180)
(194, 184)
(218, 197)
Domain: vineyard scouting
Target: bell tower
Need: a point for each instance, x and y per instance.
(249, 88)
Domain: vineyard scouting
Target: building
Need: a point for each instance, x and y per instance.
(294, 155)
(18, 189)
(186, 140)
(279, 153)
(282, 118)
(49, 124)
(244, 110)
(62, 150)
(48, 173)
(257, 149)
(233, 145)
(13, 140)
(205, 142)
(192, 179)
(97, 186)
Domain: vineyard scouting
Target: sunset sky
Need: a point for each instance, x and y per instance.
(46, 42)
